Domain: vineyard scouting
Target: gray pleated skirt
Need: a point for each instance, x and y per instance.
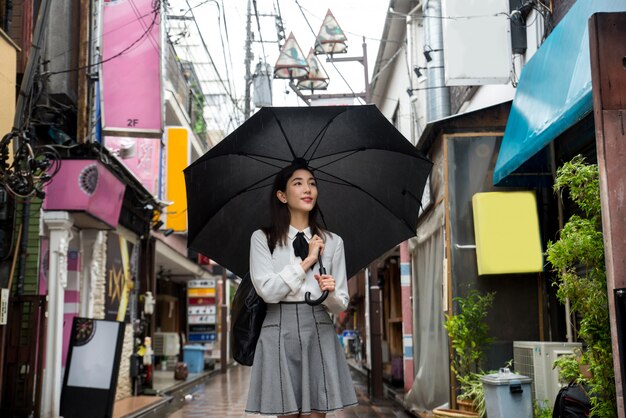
(299, 366)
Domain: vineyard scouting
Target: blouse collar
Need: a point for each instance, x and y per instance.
(293, 231)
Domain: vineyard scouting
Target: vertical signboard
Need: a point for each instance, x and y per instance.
(131, 68)
(201, 311)
(177, 159)
(120, 274)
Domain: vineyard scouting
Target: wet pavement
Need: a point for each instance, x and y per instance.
(224, 395)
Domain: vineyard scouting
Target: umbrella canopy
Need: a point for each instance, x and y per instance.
(369, 177)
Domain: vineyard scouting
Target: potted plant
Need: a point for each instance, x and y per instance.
(469, 338)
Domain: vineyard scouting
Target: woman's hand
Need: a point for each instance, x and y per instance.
(316, 248)
(326, 282)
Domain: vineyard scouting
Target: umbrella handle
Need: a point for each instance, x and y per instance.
(307, 295)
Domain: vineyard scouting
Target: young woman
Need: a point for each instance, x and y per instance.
(299, 367)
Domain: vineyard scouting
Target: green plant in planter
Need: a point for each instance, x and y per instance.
(473, 390)
(578, 260)
(469, 337)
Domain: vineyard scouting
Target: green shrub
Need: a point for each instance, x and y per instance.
(578, 260)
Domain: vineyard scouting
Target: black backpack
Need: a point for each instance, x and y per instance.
(247, 314)
(572, 401)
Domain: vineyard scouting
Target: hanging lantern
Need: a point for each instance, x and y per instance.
(291, 63)
(317, 79)
(330, 39)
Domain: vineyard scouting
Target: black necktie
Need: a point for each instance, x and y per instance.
(301, 246)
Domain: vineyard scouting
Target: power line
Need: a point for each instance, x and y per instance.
(100, 39)
(234, 102)
(230, 55)
(221, 20)
(119, 54)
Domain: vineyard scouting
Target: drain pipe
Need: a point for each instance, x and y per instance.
(438, 94)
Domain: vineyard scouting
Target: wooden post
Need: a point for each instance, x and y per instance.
(607, 32)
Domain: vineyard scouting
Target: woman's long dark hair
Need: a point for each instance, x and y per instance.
(280, 217)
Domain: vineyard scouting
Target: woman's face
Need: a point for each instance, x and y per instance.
(301, 192)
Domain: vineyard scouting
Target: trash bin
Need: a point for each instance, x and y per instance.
(507, 395)
(193, 355)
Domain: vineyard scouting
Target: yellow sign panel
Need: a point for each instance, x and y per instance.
(8, 68)
(178, 150)
(506, 226)
(201, 292)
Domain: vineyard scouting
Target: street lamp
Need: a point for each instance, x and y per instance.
(330, 39)
(316, 79)
(291, 63)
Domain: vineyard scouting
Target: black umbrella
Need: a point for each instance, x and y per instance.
(370, 181)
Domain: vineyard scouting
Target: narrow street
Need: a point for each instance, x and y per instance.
(428, 175)
(224, 395)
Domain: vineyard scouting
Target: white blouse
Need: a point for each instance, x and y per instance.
(278, 276)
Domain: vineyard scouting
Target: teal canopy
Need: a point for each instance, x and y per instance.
(554, 90)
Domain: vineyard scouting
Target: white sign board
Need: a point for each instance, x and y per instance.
(202, 319)
(476, 42)
(194, 284)
(4, 306)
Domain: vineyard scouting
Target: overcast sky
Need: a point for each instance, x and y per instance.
(357, 18)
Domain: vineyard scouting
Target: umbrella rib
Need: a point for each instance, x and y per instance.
(318, 140)
(210, 157)
(338, 159)
(349, 184)
(321, 134)
(280, 125)
(264, 162)
(421, 157)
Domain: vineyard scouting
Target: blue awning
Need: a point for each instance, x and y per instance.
(554, 90)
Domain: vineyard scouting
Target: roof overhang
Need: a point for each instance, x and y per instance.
(554, 90)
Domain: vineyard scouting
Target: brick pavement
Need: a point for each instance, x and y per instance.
(224, 395)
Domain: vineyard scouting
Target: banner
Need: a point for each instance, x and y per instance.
(131, 68)
(121, 272)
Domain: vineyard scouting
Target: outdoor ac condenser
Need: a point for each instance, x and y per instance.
(535, 360)
(166, 344)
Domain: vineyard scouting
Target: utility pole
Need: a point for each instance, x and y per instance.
(248, 60)
(84, 53)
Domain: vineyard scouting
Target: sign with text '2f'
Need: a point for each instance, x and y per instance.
(131, 68)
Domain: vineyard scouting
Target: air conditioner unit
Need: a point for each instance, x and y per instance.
(535, 359)
(166, 344)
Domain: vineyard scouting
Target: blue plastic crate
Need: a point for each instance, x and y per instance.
(193, 355)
